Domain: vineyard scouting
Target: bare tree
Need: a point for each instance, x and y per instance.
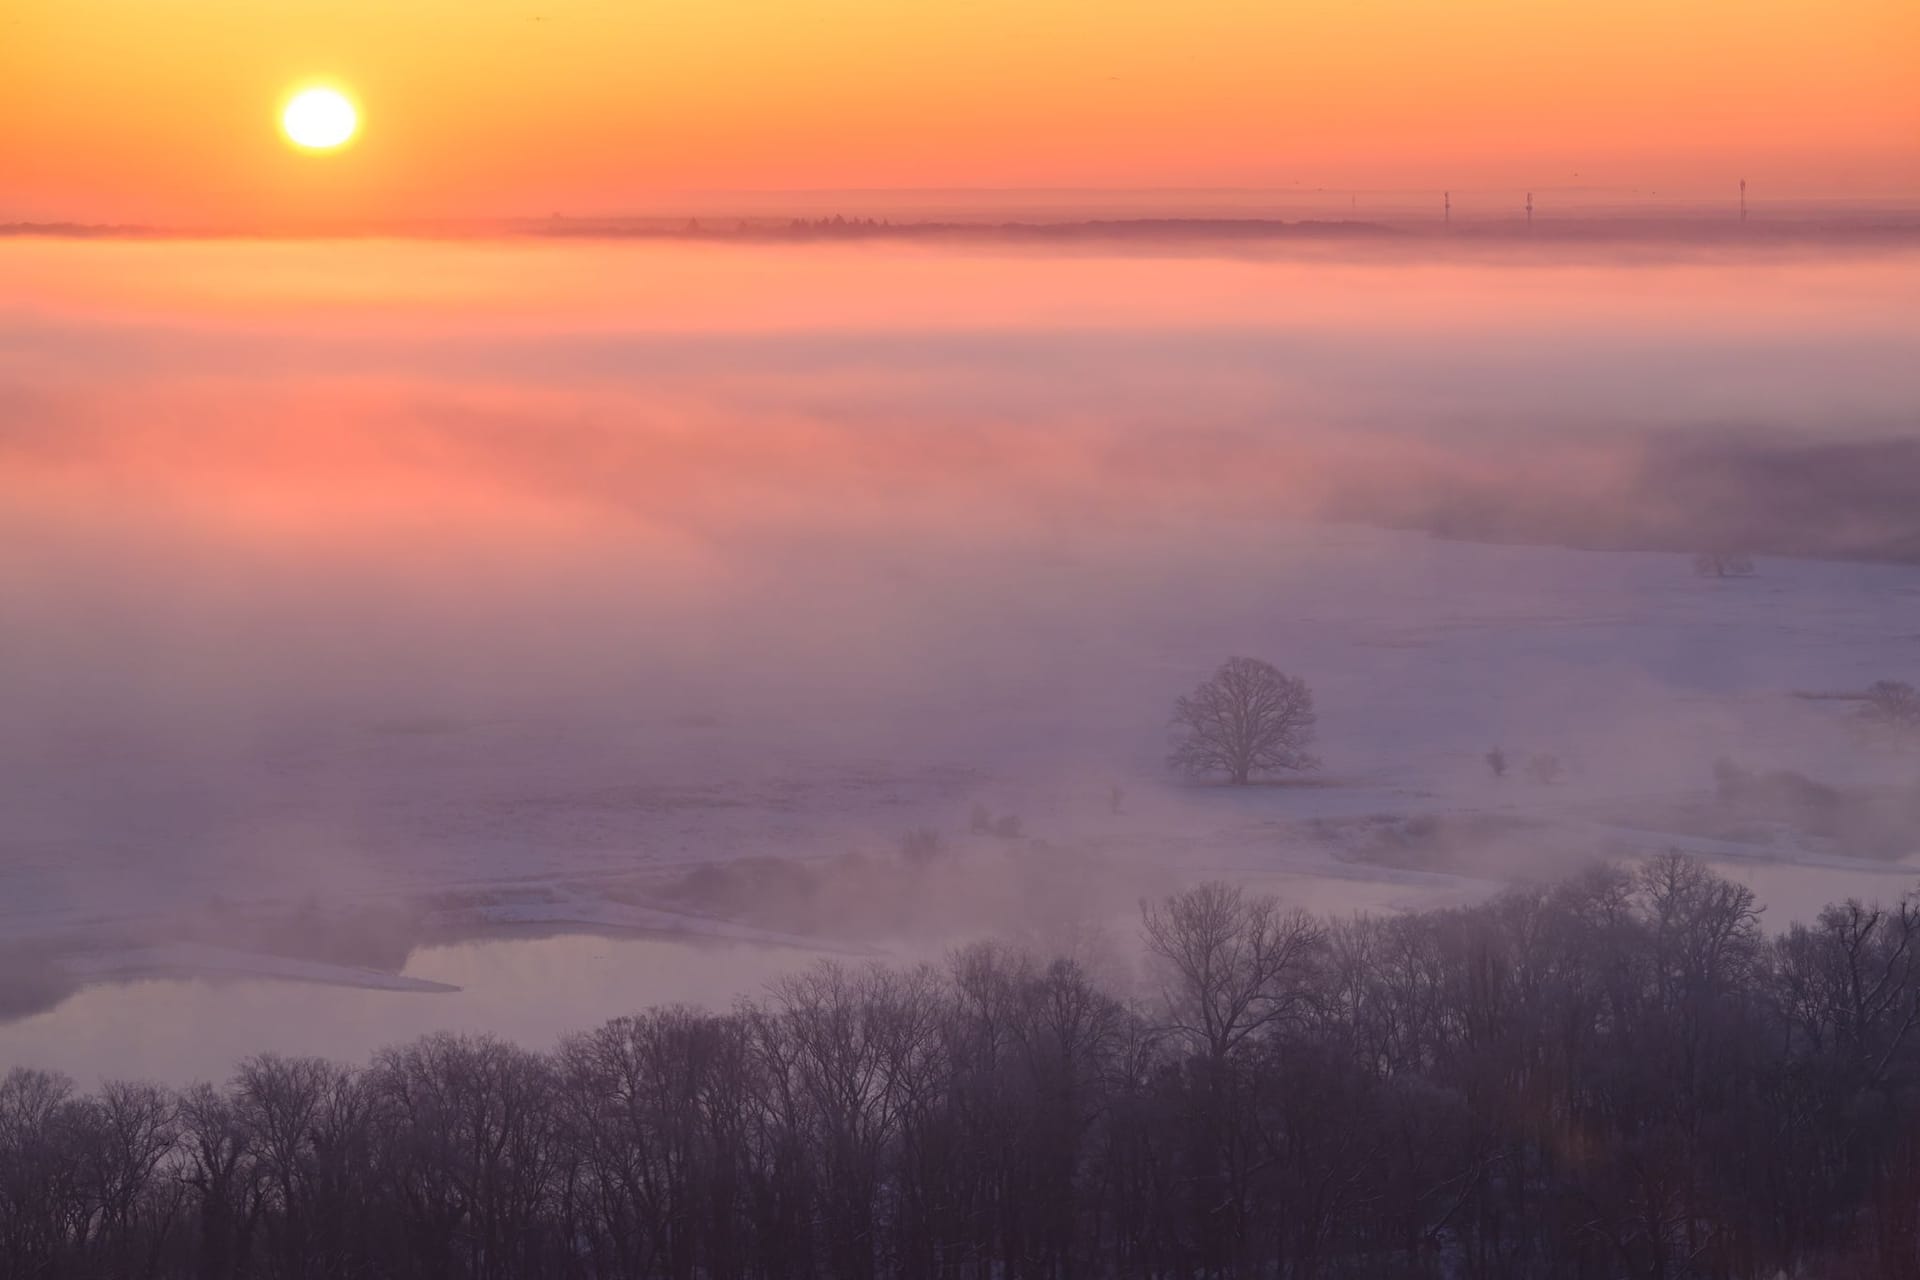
(281, 1104)
(1249, 717)
(1234, 965)
(1723, 564)
(1851, 985)
(920, 846)
(1895, 704)
(220, 1168)
(1545, 768)
(1621, 1075)
(125, 1132)
(471, 1149)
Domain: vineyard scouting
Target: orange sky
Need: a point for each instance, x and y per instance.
(165, 109)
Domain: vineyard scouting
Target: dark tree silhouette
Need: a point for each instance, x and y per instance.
(1723, 564)
(1620, 1074)
(1894, 703)
(1249, 718)
(1233, 965)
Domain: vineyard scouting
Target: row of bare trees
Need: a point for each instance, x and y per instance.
(1619, 1075)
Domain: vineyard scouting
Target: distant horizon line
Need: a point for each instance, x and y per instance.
(1016, 204)
(1691, 222)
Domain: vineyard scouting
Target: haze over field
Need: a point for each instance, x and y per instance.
(352, 573)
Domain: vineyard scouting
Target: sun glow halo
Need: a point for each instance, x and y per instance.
(319, 119)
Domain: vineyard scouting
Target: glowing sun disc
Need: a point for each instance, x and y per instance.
(319, 119)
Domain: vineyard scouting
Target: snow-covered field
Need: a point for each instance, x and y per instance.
(666, 631)
(1422, 654)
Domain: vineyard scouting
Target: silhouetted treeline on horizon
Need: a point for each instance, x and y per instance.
(1691, 230)
(1619, 1075)
(1819, 499)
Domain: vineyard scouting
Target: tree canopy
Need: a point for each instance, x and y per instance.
(1249, 717)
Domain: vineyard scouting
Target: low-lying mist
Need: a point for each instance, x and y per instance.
(329, 569)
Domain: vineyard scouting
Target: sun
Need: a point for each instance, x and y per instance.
(319, 119)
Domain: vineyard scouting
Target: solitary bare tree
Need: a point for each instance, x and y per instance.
(1895, 704)
(1250, 717)
(1723, 564)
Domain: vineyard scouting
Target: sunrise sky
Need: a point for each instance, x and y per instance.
(118, 110)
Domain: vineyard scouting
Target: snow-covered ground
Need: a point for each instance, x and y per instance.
(359, 603)
(1422, 654)
(465, 834)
